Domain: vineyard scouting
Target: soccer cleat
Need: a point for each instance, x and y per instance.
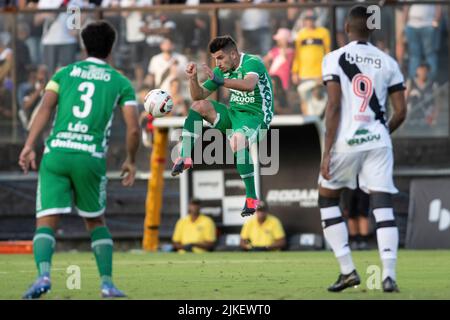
(180, 165)
(110, 291)
(38, 288)
(389, 285)
(345, 281)
(249, 207)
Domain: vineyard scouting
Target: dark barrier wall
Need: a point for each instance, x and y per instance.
(292, 194)
(429, 215)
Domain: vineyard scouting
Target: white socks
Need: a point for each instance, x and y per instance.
(336, 234)
(387, 237)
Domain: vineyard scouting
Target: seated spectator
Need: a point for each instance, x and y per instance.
(6, 85)
(30, 93)
(22, 56)
(194, 233)
(420, 96)
(145, 118)
(166, 66)
(279, 59)
(262, 232)
(180, 104)
(280, 102)
(314, 97)
(311, 45)
(6, 57)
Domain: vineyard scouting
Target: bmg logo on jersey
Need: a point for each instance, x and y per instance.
(354, 58)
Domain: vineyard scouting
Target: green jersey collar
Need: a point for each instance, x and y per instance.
(95, 60)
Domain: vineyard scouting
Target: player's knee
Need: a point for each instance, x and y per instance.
(92, 223)
(237, 142)
(201, 106)
(380, 200)
(383, 212)
(327, 202)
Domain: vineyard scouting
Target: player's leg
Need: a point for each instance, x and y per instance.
(211, 111)
(244, 165)
(88, 176)
(363, 219)
(53, 198)
(376, 178)
(246, 130)
(348, 197)
(102, 246)
(343, 172)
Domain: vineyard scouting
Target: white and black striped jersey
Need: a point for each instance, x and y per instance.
(367, 76)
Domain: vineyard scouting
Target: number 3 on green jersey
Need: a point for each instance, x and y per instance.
(88, 92)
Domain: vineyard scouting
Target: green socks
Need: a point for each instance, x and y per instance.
(191, 131)
(102, 246)
(244, 165)
(43, 247)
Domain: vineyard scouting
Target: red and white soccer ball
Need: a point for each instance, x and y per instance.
(158, 103)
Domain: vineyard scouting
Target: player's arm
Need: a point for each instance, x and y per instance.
(43, 112)
(396, 93)
(332, 117)
(198, 92)
(131, 119)
(247, 84)
(399, 107)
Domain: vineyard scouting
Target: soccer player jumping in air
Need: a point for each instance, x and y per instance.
(359, 78)
(250, 111)
(86, 94)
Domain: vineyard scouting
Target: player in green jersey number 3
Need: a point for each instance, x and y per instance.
(86, 94)
(249, 114)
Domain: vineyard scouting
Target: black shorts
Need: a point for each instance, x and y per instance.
(355, 203)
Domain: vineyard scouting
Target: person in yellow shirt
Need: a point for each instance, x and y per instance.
(262, 232)
(311, 45)
(194, 233)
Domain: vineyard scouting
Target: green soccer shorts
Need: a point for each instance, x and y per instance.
(231, 121)
(64, 176)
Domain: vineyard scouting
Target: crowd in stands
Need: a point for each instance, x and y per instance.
(154, 46)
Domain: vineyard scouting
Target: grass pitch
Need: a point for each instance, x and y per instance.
(279, 275)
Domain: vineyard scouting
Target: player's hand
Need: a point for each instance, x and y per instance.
(325, 166)
(27, 157)
(295, 79)
(191, 70)
(128, 173)
(212, 76)
(208, 71)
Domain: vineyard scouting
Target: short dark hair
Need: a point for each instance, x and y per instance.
(424, 65)
(357, 20)
(195, 201)
(225, 43)
(98, 39)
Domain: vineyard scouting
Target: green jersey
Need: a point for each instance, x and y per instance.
(88, 91)
(259, 101)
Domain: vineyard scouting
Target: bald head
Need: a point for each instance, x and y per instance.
(356, 24)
